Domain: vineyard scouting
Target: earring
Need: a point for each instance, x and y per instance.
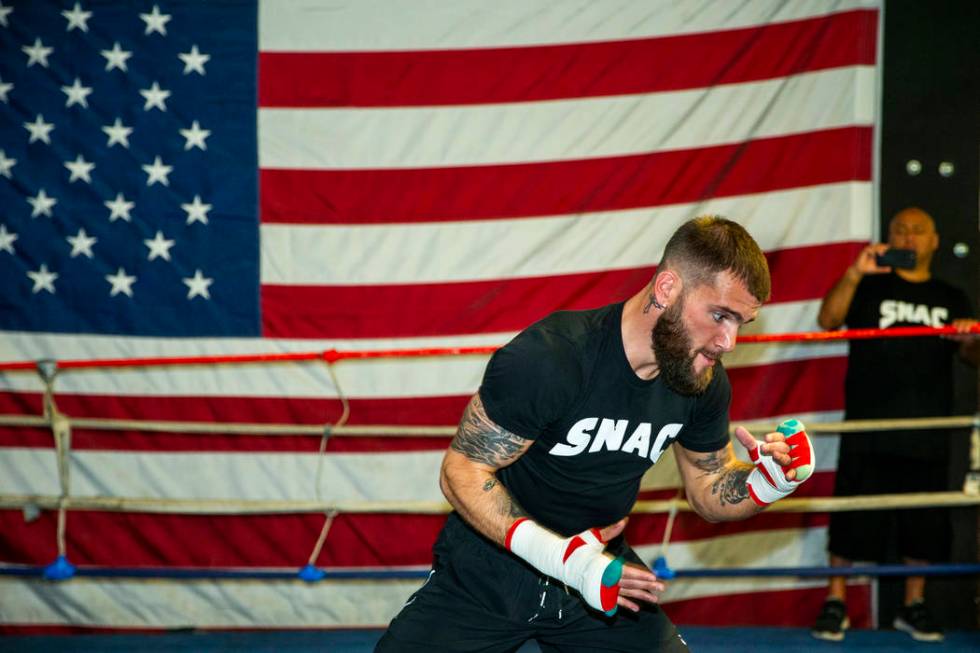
(657, 304)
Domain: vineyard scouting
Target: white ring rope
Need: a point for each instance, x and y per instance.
(394, 430)
(272, 506)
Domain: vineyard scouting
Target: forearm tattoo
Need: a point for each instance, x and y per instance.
(507, 505)
(731, 486)
(730, 482)
(482, 441)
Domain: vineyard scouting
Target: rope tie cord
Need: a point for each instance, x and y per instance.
(327, 430)
(61, 431)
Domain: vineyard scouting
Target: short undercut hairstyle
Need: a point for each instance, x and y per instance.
(707, 245)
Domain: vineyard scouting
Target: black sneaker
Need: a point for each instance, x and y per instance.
(917, 621)
(832, 621)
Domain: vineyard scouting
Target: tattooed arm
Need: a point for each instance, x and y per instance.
(467, 478)
(715, 483)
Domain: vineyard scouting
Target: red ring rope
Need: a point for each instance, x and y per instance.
(333, 355)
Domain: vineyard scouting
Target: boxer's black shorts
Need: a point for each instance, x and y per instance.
(481, 598)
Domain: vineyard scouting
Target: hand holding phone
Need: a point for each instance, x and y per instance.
(896, 258)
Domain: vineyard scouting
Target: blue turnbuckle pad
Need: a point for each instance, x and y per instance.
(662, 570)
(60, 569)
(311, 574)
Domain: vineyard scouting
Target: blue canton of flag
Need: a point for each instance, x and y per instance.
(128, 167)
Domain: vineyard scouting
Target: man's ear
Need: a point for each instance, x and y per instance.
(667, 286)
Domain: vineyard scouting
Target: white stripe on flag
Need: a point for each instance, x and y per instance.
(423, 137)
(754, 549)
(326, 25)
(120, 603)
(345, 477)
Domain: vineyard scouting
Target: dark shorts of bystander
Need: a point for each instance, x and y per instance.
(871, 535)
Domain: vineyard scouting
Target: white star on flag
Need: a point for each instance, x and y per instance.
(77, 18)
(194, 60)
(157, 172)
(117, 133)
(159, 247)
(77, 93)
(119, 208)
(80, 169)
(42, 204)
(37, 53)
(198, 285)
(155, 21)
(116, 57)
(4, 12)
(43, 279)
(195, 136)
(121, 283)
(39, 130)
(196, 211)
(7, 239)
(155, 97)
(6, 164)
(5, 87)
(81, 243)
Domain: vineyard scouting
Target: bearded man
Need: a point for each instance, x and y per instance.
(547, 461)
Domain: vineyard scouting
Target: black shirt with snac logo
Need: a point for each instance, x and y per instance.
(901, 377)
(565, 382)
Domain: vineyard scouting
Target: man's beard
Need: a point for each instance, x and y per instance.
(673, 348)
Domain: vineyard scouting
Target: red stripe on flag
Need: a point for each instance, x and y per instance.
(795, 608)
(503, 305)
(486, 192)
(648, 529)
(442, 410)
(136, 539)
(533, 73)
(787, 388)
(159, 540)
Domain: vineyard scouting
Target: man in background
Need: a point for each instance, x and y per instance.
(894, 378)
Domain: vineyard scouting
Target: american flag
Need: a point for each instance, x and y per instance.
(187, 178)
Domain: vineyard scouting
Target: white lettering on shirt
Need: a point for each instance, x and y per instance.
(610, 437)
(578, 436)
(893, 310)
(667, 435)
(639, 442)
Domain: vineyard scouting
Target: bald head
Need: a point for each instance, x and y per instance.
(913, 228)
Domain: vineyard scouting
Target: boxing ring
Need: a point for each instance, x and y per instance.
(345, 583)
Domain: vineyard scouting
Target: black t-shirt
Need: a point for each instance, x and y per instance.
(566, 383)
(901, 377)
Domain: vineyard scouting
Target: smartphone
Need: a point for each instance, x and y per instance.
(897, 258)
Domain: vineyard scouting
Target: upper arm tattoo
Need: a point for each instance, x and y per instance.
(482, 441)
(730, 484)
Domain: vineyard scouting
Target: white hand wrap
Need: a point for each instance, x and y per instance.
(580, 561)
(767, 482)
